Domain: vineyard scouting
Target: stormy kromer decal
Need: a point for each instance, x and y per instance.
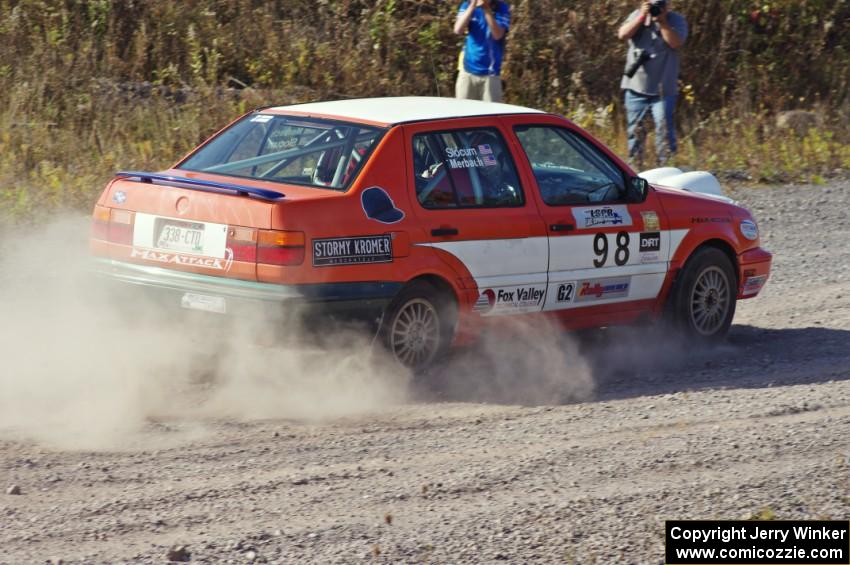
(352, 250)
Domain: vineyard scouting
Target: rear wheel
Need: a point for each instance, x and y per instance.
(418, 326)
(703, 300)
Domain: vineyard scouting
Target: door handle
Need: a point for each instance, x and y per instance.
(444, 231)
(562, 227)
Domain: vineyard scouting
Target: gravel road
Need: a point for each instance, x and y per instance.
(755, 427)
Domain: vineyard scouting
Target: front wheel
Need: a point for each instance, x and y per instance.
(418, 326)
(703, 300)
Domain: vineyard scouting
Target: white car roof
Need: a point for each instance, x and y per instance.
(402, 109)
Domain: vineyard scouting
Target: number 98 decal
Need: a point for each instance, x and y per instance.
(600, 248)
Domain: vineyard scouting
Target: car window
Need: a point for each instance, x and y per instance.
(568, 169)
(465, 168)
(288, 149)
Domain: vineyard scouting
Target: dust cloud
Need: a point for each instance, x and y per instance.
(525, 360)
(89, 366)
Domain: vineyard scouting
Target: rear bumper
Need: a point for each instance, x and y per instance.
(754, 270)
(350, 299)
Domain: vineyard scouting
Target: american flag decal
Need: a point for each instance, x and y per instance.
(487, 155)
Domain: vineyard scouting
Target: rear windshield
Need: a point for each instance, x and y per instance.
(288, 149)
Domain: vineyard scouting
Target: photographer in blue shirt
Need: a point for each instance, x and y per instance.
(486, 23)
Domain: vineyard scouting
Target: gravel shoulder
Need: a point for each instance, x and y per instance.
(755, 427)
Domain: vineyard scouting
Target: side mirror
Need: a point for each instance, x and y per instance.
(638, 189)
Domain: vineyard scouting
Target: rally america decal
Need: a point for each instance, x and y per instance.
(336, 251)
(603, 289)
(602, 217)
(511, 300)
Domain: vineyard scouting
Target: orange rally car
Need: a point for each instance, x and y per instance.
(425, 216)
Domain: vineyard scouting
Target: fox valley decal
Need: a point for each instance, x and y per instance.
(602, 217)
(352, 250)
(511, 300)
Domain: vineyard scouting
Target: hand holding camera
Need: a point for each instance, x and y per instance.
(654, 10)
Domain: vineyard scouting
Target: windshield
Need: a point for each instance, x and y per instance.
(288, 149)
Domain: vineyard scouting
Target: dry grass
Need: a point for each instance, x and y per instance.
(89, 87)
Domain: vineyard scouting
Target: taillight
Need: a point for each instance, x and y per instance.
(243, 243)
(100, 223)
(115, 226)
(121, 227)
(276, 247)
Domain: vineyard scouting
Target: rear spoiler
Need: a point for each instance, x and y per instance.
(206, 185)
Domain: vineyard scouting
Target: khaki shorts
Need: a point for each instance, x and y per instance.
(476, 87)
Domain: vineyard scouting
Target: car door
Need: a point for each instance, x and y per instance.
(476, 215)
(603, 248)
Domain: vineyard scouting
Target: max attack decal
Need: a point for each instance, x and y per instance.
(352, 250)
(510, 300)
(602, 216)
(603, 289)
(180, 259)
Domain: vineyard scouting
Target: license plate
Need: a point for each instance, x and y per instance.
(203, 302)
(176, 235)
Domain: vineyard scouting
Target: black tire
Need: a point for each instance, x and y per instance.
(418, 326)
(702, 303)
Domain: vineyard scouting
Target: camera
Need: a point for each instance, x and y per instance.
(656, 7)
(641, 57)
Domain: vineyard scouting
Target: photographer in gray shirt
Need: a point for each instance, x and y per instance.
(655, 35)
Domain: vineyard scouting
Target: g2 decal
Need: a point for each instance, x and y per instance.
(566, 292)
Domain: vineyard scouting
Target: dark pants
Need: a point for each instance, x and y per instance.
(637, 107)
